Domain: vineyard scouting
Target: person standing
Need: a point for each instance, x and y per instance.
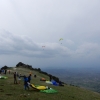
(30, 73)
(19, 78)
(26, 83)
(15, 78)
(0, 71)
(50, 77)
(9, 71)
(5, 71)
(29, 78)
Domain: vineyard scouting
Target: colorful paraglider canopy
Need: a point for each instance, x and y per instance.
(43, 47)
(60, 39)
(44, 89)
(55, 83)
(42, 79)
(49, 82)
(3, 77)
(38, 87)
(49, 91)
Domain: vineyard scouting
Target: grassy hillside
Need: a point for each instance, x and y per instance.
(11, 91)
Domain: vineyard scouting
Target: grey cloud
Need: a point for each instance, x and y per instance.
(88, 51)
(22, 45)
(32, 24)
(25, 46)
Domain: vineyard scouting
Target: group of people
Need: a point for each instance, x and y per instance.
(26, 79)
(3, 71)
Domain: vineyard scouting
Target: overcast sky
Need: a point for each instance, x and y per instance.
(30, 31)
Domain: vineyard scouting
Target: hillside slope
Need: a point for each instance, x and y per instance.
(11, 91)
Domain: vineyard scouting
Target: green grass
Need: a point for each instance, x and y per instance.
(11, 91)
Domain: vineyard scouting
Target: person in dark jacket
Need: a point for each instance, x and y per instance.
(0, 71)
(50, 77)
(29, 78)
(15, 78)
(5, 71)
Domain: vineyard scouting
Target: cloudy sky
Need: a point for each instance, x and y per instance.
(30, 31)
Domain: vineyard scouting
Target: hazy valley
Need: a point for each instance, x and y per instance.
(83, 77)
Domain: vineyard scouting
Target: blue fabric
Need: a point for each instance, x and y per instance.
(25, 83)
(54, 83)
(25, 80)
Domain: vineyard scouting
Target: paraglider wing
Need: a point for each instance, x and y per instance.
(61, 39)
(43, 47)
